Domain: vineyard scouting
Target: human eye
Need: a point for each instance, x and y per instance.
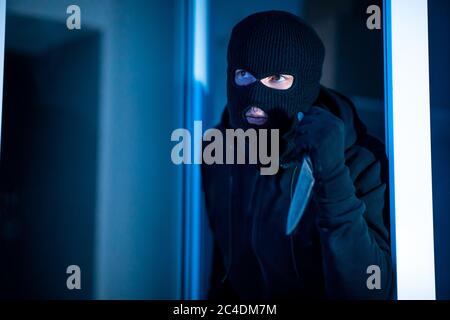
(278, 81)
(277, 78)
(243, 77)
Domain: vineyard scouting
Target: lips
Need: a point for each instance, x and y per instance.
(257, 116)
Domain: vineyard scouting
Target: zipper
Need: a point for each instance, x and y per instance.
(255, 232)
(230, 221)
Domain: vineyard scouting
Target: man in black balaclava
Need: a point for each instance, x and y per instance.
(274, 69)
(273, 44)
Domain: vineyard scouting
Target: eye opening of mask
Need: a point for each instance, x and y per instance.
(243, 77)
(276, 81)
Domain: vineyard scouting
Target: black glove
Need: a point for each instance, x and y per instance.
(321, 136)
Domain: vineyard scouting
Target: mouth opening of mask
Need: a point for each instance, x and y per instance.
(256, 116)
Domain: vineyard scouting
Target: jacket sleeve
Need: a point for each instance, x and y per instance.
(353, 230)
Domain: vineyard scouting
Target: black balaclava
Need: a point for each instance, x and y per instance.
(269, 43)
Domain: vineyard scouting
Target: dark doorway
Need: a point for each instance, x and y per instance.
(439, 48)
(48, 159)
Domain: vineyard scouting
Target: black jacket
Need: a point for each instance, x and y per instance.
(253, 258)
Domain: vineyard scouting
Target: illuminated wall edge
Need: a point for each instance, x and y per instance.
(409, 146)
(197, 86)
(2, 56)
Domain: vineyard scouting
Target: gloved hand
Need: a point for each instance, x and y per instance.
(321, 135)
